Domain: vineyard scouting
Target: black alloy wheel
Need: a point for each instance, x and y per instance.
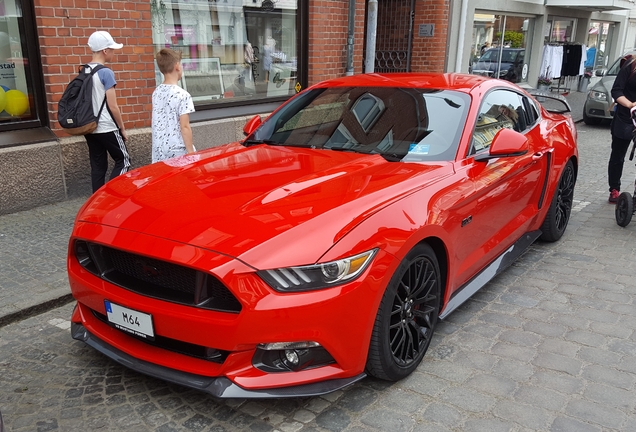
(407, 316)
(624, 209)
(556, 221)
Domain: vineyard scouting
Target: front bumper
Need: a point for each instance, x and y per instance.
(598, 109)
(220, 387)
(266, 317)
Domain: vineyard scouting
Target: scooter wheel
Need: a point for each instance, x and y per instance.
(624, 209)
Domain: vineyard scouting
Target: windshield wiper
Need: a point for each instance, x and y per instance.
(252, 142)
(391, 157)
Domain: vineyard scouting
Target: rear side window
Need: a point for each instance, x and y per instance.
(531, 112)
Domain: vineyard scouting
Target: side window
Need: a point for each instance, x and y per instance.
(499, 109)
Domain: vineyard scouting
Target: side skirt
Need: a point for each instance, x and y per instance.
(498, 265)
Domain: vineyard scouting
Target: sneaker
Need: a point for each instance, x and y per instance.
(613, 198)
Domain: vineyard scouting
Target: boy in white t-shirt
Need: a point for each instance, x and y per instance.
(171, 108)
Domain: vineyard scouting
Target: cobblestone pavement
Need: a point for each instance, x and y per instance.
(550, 344)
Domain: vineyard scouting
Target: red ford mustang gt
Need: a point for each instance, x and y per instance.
(326, 245)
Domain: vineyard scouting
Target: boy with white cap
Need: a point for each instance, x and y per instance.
(110, 135)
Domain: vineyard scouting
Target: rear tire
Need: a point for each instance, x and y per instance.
(407, 316)
(624, 209)
(556, 221)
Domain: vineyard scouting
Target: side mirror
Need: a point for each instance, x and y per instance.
(506, 143)
(252, 125)
(599, 72)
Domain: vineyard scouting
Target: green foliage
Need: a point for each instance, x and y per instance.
(515, 38)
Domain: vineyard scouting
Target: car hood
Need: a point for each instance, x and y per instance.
(254, 203)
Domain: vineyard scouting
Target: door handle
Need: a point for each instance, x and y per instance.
(537, 156)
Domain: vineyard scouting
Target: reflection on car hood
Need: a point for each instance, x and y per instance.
(235, 200)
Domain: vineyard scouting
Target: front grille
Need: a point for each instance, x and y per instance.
(156, 278)
(192, 350)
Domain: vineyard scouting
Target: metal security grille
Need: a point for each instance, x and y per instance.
(394, 35)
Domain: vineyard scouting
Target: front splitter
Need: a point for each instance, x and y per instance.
(220, 387)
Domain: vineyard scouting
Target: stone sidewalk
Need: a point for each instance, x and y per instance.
(33, 246)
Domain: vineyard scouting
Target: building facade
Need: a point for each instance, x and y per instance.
(597, 30)
(241, 58)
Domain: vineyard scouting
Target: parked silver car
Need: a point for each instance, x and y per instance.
(598, 105)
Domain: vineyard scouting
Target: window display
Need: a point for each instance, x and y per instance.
(232, 49)
(16, 94)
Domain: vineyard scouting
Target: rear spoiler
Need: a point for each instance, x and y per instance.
(552, 103)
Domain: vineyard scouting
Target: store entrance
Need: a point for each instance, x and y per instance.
(500, 46)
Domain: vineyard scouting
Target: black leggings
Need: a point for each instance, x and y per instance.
(99, 147)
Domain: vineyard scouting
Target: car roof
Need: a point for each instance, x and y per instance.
(450, 81)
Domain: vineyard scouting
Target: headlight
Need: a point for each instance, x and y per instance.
(317, 276)
(599, 96)
(503, 72)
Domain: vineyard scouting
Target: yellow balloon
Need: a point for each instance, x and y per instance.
(3, 99)
(16, 102)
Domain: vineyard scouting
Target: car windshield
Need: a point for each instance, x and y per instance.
(613, 70)
(492, 55)
(400, 124)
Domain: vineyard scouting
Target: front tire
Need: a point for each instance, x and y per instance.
(407, 316)
(556, 221)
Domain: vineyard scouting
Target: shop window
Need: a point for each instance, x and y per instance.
(21, 104)
(500, 47)
(232, 50)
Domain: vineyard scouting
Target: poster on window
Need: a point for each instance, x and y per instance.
(202, 78)
(279, 80)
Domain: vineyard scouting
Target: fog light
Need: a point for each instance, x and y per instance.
(290, 356)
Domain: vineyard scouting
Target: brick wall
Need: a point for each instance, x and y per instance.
(328, 21)
(63, 29)
(328, 29)
(429, 53)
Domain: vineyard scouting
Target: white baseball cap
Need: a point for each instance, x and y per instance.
(101, 40)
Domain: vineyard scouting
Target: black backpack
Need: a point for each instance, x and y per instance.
(75, 109)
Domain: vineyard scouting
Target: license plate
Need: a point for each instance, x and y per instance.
(130, 321)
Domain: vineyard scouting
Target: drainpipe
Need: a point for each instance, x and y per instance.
(501, 45)
(372, 30)
(462, 35)
(352, 15)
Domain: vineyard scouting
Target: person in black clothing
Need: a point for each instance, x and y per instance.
(624, 93)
